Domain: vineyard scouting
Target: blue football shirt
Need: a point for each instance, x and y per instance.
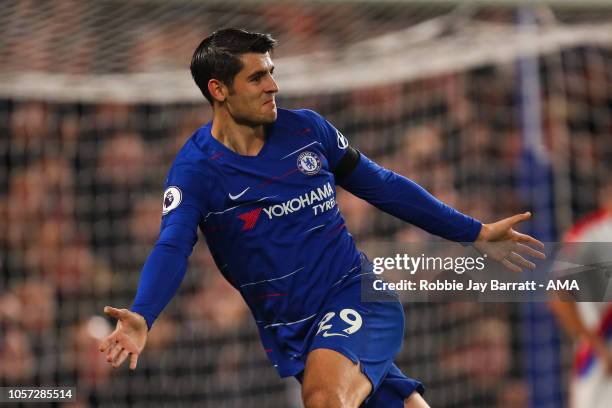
(271, 221)
(273, 227)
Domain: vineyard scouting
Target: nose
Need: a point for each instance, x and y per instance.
(271, 86)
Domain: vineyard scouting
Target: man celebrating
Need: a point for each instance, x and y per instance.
(260, 182)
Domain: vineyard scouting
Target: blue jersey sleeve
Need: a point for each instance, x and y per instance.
(408, 201)
(333, 141)
(165, 267)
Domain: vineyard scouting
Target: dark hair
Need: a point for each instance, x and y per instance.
(218, 55)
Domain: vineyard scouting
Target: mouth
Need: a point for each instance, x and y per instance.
(270, 101)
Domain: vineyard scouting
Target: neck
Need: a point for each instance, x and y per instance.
(246, 140)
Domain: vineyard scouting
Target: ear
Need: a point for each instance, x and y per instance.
(217, 90)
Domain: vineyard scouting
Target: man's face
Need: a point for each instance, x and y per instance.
(251, 96)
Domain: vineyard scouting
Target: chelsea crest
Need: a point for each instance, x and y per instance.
(309, 163)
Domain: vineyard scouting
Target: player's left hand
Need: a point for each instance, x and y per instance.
(502, 243)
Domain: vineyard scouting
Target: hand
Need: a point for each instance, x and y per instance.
(502, 243)
(128, 339)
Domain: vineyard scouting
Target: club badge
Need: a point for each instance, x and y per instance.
(309, 163)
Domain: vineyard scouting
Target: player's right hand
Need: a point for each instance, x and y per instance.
(128, 339)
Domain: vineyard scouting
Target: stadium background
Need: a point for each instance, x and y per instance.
(493, 106)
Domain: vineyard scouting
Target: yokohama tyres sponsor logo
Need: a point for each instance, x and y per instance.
(320, 199)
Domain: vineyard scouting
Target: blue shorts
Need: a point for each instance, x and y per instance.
(369, 334)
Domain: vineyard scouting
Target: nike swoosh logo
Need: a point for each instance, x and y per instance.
(326, 334)
(237, 196)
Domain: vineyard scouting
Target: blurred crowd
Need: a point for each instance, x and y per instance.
(80, 206)
(87, 36)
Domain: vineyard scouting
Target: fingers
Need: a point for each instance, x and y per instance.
(118, 355)
(133, 361)
(120, 358)
(107, 342)
(511, 266)
(515, 219)
(531, 240)
(524, 249)
(114, 352)
(524, 237)
(110, 340)
(113, 312)
(520, 261)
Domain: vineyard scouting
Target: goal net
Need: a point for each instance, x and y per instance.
(96, 99)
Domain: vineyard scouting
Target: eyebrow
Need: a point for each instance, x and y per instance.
(260, 73)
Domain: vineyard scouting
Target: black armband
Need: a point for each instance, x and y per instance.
(348, 163)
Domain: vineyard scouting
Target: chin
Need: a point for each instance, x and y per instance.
(270, 117)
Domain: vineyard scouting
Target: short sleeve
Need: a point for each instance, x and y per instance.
(333, 141)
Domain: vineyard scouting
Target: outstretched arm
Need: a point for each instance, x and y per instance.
(160, 278)
(410, 202)
(403, 198)
(164, 269)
